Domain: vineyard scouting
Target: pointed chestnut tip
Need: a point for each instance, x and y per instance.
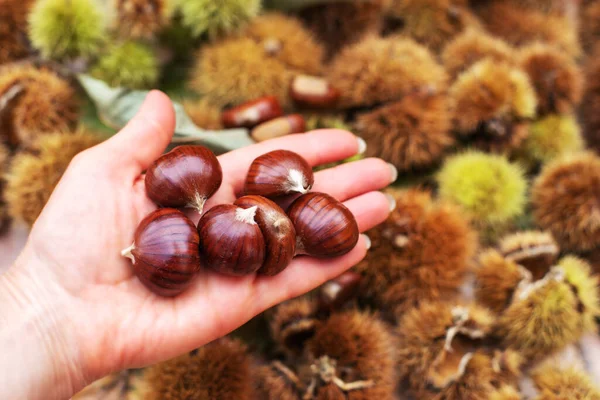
(246, 215)
(128, 252)
(198, 203)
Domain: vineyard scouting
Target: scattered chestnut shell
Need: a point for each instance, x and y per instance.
(278, 231)
(164, 252)
(278, 173)
(335, 293)
(252, 113)
(184, 177)
(324, 226)
(231, 241)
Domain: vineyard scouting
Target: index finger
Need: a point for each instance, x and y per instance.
(317, 147)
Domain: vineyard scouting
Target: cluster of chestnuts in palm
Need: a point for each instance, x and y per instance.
(252, 235)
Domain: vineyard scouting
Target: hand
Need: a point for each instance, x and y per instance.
(71, 309)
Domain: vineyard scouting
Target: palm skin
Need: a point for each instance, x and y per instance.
(104, 318)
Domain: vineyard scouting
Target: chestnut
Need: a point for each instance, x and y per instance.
(333, 295)
(293, 123)
(164, 252)
(324, 226)
(313, 92)
(184, 177)
(252, 113)
(278, 173)
(231, 241)
(278, 231)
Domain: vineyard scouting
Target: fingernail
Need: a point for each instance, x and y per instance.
(391, 200)
(362, 145)
(367, 241)
(394, 172)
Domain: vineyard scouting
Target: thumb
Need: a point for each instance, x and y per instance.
(145, 137)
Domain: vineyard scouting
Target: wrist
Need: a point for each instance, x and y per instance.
(40, 358)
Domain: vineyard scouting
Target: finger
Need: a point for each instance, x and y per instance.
(317, 147)
(353, 179)
(370, 209)
(303, 275)
(145, 137)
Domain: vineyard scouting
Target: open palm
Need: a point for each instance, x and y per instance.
(108, 317)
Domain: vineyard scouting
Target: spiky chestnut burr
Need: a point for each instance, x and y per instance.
(140, 19)
(437, 349)
(519, 26)
(420, 253)
(62, 29)
(186, 176)
(535, 250)
(565, 201)
(337, 25)
(496, 280)
(37, 101)
(591, 102)
(488, 187)
(204, 114)
(286, 40)
(472, 46)
(552, 312)
(590, 26)
(236, 70)
(129, 64)
(293, 323)
(492, 104)
(215, 18)
(506, 393)
(431, 22)
(555, 76)
(353, 356)
(378, 70)
(13, 30)
(219, 370)
(31, 177)
(411, 133)
(276, 381)
(164, 253)
(554, 383)
(551, 137)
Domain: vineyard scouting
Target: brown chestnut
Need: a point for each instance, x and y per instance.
(324, 226)
(335, 293)
(230, 240)
(293, 123)
(278, 173)
(313, 92)
(252, 113)
(184, 177)
(164, 252)
(277, 230)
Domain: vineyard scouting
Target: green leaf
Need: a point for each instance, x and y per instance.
(116, 106)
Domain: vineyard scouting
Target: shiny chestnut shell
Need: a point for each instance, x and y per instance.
(324, 226)
(231, 241)
(334, 294)
(279, 173)
(184, 177)
(165, 252)
(278, 231)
